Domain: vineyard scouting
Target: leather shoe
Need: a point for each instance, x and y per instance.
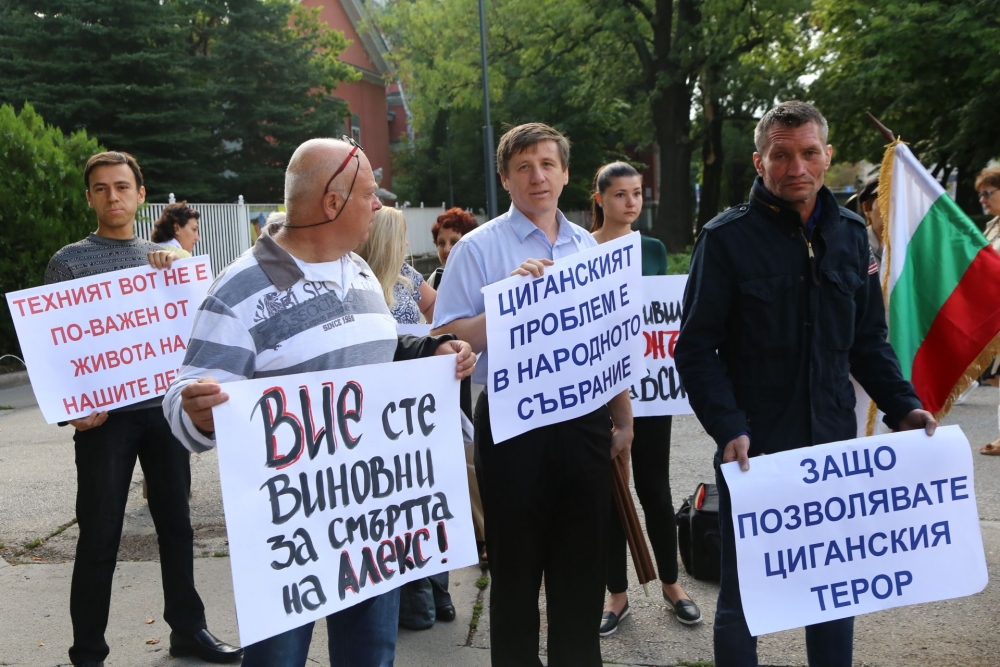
(203, 644)
(610, 621)
(446, 613)
(687, 611)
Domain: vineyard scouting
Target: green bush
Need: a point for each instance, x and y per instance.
(678, 262)
(43, 205)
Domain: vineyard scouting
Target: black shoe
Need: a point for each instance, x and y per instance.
(446, 613)
(90, 663)
(610, 621)
(686, 610)
(203, 644)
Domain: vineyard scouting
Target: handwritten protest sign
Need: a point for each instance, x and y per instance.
(854, 527)
(109, 340)
(564, 344)
(660, 391)
(339, 486)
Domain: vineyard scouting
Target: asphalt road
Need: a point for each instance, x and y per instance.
(37, 493)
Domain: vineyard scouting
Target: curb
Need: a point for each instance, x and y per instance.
(14, 379)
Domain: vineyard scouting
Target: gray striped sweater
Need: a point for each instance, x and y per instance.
(269, 315)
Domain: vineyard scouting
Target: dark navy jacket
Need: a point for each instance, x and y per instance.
(769, 334)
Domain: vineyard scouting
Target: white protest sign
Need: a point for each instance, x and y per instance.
(854, 527)
(659, 391)
(339, 486)
(564, 344)
(109, 340)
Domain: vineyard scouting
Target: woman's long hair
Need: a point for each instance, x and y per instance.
(385, 251)
(602, 181)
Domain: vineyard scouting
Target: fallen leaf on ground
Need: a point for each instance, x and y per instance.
(148, 621)
(154, 640)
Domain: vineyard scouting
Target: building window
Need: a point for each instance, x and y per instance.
(356, 128)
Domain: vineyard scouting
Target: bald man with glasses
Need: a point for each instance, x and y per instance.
(265, 316)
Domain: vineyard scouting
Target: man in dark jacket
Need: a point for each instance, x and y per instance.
(783, 299)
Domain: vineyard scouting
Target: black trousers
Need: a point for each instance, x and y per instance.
(546, 495)
(651, 475)
(105, 459)
(829, 644)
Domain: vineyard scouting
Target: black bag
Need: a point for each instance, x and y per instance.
(698, 537)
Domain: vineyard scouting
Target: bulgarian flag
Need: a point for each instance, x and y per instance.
(940, 281)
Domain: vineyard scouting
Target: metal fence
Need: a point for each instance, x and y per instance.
(224, 230)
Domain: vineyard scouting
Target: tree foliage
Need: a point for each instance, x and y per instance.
(42, 203)
(927, 70)
(616, 75)
(212, 96)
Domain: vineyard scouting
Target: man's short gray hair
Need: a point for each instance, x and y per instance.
(790, 114)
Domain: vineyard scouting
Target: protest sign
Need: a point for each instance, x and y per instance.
(108, 340)
(564, 344)
(659, 391)
(853, 527)
(339, 486)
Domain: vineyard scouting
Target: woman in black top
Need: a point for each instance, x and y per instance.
(617, 202)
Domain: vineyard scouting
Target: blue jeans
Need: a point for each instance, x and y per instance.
(360, 636)
(829, 644)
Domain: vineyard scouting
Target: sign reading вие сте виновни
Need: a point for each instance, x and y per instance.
(339, 486)
(564, 344)
(108, 340)
(853, 527)
(659, 391)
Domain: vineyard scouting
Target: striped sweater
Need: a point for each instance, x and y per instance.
(268, 314)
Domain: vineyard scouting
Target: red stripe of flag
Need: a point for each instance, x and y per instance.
(964, 326)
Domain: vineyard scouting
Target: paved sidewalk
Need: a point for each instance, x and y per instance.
(37, 490)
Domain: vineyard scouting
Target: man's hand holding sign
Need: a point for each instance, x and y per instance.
(566, 339)
(849, 528)
(101, 342)
(339, 485)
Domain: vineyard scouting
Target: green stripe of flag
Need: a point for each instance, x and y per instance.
(944, 250)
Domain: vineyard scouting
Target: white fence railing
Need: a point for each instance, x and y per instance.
(224, 230)
(418, 228)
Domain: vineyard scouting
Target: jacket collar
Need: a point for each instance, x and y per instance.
(276, 262)
(779, 211)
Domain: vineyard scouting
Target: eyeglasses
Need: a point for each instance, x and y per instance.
(986, 194)
(353, 154)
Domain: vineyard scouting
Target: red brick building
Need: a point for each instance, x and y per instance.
(378, 117)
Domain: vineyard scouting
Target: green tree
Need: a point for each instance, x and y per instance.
(42, 202)
(543, 67)
(119, 69)
(272, 66)
(926, 69)
(211, 96)
(614, 74)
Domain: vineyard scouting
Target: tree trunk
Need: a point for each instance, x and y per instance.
(675, 214)
(712, 165)
(965, 189)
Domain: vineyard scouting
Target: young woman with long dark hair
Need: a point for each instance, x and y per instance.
(616, 203)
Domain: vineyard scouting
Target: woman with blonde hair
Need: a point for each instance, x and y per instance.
(406, 293)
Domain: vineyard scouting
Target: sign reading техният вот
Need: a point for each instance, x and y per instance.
(339, 486)
(107, 340)
(562, 345)
(853, 527)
